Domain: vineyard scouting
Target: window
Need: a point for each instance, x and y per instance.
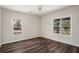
(57, 25)
(66, 26)
(62, 25)
(17, 26)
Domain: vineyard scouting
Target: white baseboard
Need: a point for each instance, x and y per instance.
(63, 42)
(18, 40)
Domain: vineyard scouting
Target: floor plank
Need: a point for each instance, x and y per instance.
(38, 45)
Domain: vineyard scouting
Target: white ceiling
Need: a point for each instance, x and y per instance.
(33, 9)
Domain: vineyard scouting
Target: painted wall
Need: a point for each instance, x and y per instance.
(47, 25)
(30, 24)
(34, 26)
(0, 26)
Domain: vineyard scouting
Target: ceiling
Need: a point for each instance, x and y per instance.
(34, 9)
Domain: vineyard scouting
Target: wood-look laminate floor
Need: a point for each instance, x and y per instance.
(38, 45)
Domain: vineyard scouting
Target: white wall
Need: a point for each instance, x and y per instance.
(47, 28)
(0, 26)
(34, 26)
(31, 26)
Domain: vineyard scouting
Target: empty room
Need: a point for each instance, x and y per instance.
(39, 28)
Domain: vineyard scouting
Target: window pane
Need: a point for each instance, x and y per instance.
(56, 29)
(66, 26)
(56, 25)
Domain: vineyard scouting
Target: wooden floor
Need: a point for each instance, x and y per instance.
(38, 45)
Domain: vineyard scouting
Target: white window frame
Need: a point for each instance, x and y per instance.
(61, 25)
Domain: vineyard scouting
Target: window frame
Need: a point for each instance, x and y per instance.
(61, 25)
